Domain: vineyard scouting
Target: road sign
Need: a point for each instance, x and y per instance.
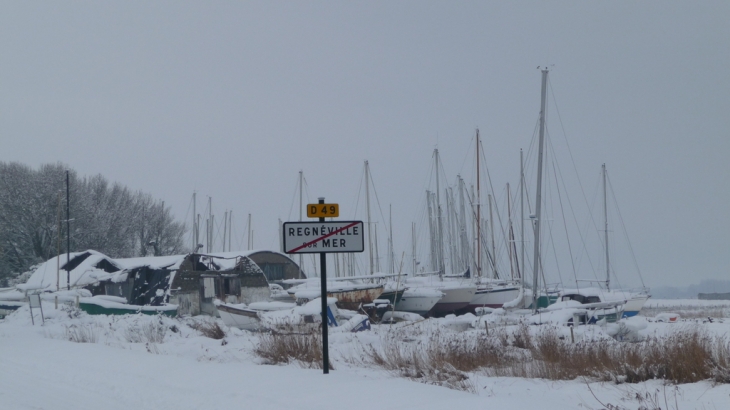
(323, 210)
(327, 237)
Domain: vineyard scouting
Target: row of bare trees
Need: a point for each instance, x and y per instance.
(107, 217)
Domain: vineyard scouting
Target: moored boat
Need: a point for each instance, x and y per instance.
(419, 300)
(104, 306)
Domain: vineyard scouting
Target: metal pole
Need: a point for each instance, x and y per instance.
(68, 235)
(194, 248)
(323, 279)
(522, 219)
(439, 223)
(538, 196)
(491, 232)
(605, 219)
(479, 219)
(225, 229)
(301, 206)
(367, 201)
(58, 246)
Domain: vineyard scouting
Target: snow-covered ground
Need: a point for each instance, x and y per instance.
(121, 369)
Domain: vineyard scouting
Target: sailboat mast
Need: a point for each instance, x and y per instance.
(605, 220)
(464, 254)
(495, 275)
(538, 195)
(195, 227)
(225, 228)
(479, 218)
(68, 234)
(439, 222)
(510, 237)
(413, 244)
(522, 215)
(391, 254)
(301, 206)
(367, 200)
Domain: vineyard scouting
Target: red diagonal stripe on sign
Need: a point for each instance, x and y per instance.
(325, 237)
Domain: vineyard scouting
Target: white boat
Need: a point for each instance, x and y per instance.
(494, 294)
(628, 303)
(632, 302)
(419, 300)
(457, 293)
(287, 317)
(247, 317)
(349, 295)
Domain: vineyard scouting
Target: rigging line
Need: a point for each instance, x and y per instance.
(565, 225)
(491, 188)
(565, 136)
(293, 198)
(387, 229)
(187, 214)
(243, 235)
(626, 234)
(525, 172)
(234, 233)
(555, 255)
(359, 192)
(306, 190)
(570, 204)
(586, 226)
(467, 156)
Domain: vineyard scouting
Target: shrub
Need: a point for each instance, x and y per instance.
(279, 348)
(82, 333)
(209, 329)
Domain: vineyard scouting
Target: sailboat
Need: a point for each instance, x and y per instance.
(631, 302)
(490, 292)
(458, 290)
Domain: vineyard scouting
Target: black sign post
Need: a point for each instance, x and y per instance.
(323, 275)
(323, 238)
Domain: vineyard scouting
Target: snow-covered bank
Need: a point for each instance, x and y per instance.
(43, 370)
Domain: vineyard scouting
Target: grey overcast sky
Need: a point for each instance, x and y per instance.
(233, 99)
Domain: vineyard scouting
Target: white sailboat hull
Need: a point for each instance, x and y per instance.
(418, 301)
(455, 298)
(493, 297)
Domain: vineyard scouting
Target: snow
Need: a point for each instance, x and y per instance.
(42, 369)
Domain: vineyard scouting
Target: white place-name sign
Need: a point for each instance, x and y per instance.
(329, 237)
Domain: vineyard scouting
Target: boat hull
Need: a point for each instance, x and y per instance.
(94, 309)
(419, 304)
(246, 319)
(634, 305)
(493, 297)
(455, 298)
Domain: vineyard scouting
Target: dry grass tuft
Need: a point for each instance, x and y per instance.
(281, 348)
(684, 357)
(82, 333)
(209, 329)
(150, 332)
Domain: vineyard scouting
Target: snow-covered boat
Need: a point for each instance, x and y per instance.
(110, 305)
(494, 294)
(457, 293)
(295, 319)
(349, 295)
(419, 300)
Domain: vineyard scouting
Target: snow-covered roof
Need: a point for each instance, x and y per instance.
(91, 269)
(47, 275)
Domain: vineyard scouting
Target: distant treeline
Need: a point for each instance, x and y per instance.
(107, 217)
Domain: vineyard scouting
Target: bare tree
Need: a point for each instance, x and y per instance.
(105, 216)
